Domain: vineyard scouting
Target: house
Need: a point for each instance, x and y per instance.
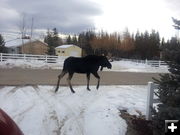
(27, 47)
(68, 50)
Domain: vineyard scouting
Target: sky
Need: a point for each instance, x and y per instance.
(75, 16)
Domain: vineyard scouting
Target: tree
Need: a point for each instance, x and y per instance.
(168, 91)
(84, 40)
(53, 40)
(3, 49)
(147, 45)
(169, 46)
(68, 40)
(142, 45)
(127, 44)
(74, 40)
(176, 23)
(56, 39)
(154, 48)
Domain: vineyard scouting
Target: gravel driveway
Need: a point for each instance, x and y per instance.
(18, 76)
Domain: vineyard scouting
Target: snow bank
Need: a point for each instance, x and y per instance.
(129, 66)
(38, 110)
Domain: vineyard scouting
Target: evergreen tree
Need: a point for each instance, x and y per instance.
(3, 49)
(74, 40)
(147, 45)
(168, 91)
(176, 23)
(53, 40)
(68, 40)
(56, 39)
(154, 41)
(84, 40)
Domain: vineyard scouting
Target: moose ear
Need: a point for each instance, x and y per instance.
(109, 57)
(101, 68)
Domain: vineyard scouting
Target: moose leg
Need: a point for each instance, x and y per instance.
(69, 81)
(98, 77)
(59, 78)
(88, 78)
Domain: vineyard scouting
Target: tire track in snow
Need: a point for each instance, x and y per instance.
(13, 90)
(21, 114)
(80, 117)
(53, 114)
(62, 126)
(69, 121)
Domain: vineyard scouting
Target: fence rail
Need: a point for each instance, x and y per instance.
(150, 99)
(153, 63)
(28, 57)
(55, 59)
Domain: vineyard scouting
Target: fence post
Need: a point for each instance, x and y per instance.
(24, 57)
(46, 59)
(149, 100)
(159, 63)
(1, 57)
(146, 61)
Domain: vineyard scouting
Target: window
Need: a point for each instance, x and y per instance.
(63, 51)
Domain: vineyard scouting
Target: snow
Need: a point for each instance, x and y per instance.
(117, 66)
(130, 66)
(39, 111)
(17, 42)
(65, 46)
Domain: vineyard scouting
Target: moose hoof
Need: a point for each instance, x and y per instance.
(56, 90)
(72, 91)
(88, 89)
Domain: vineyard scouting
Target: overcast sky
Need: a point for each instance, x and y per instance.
(74, 16)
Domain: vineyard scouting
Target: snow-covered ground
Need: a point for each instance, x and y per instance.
(118, 66)
(39, 111)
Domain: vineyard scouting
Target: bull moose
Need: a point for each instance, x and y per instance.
(85, 65)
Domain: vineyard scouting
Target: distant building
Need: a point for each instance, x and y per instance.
(68, 50)
(27, 47)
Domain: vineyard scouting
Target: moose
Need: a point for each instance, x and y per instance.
(85, 65)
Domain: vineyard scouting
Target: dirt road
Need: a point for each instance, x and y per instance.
(18, 76)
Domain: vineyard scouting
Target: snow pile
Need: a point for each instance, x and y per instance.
(119, 66)
(33, 64)
(129, 66)
(39, 111)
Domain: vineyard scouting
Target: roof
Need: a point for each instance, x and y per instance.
(18, 42)
(66, 46)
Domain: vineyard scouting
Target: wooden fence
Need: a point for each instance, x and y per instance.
(28, 57)
(152, 63)
(54, 59)
(151, 99)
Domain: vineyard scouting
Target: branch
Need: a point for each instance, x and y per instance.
(176, 27)
(177, 22)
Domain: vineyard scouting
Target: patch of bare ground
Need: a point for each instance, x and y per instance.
(137, 125)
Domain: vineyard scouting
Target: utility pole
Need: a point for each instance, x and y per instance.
(23, 31)
(31, 36)
(32, 24)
